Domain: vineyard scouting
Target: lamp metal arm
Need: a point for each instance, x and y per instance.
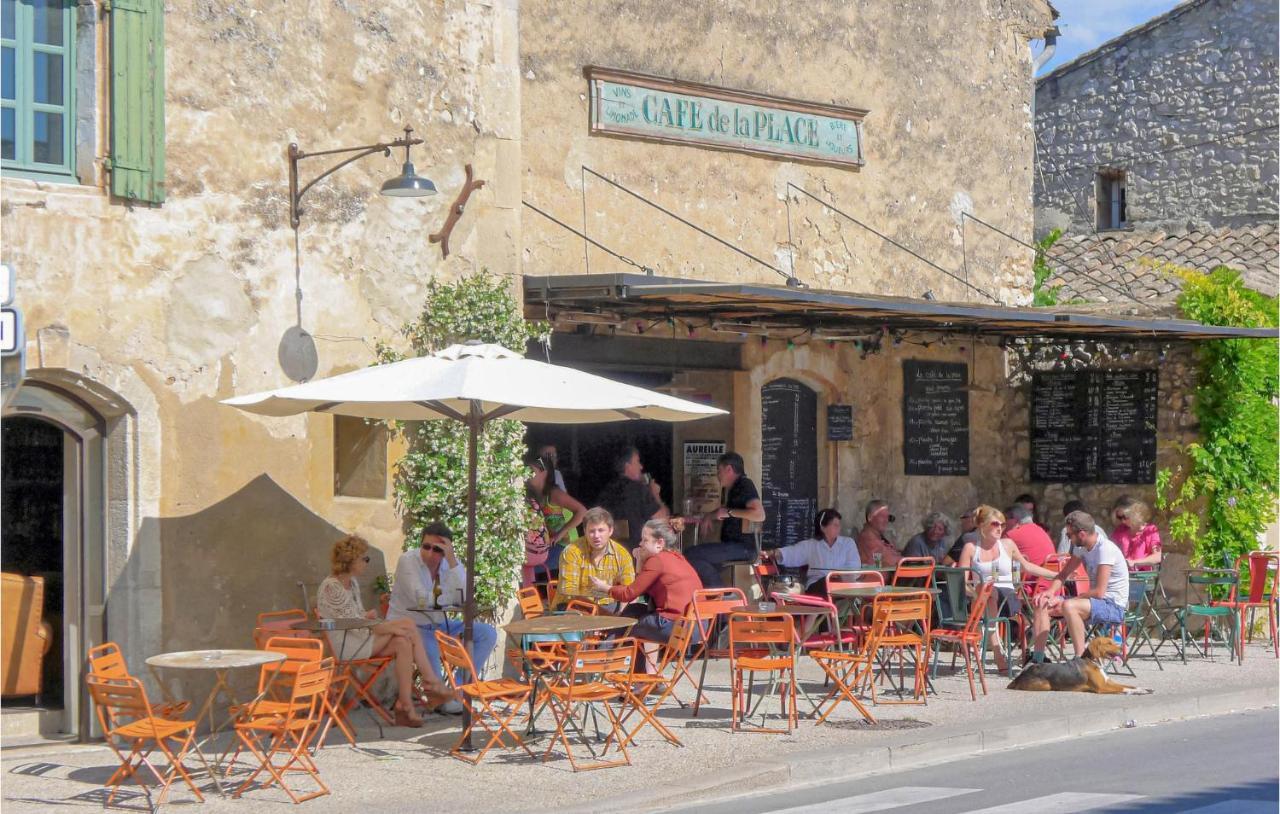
(296, 155)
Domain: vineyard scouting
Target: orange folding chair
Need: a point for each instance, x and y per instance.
(708, 605)
(107, 661)
(762, 643)
(507, 692)
(809, 638)
(583, 607)
(128, 720)
(278, 623)
(848, 670)
(531, 605)
(914, 572)
(968, 639)
(675, 657)
(285, 735)
(1260, 592)
(596, 669)
(907, 616)
(837, 579)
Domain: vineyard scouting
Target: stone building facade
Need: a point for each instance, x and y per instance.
(191, 517)
(1181, 111)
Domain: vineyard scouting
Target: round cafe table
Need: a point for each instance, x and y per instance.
(220, 663)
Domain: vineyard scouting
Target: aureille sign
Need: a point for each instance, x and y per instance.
(657, 109)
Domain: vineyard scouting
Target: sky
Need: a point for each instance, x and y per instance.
(1086, 24)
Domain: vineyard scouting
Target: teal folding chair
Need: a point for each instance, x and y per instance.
(1133, 625)
(1202, 584)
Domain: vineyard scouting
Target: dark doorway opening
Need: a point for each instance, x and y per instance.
(32, 491)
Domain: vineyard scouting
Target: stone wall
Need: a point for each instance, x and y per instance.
(1161, 104)
(948, 89)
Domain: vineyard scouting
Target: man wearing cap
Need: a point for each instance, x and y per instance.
(431, 576)
(871, 540)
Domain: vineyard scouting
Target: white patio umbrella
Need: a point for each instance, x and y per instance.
(474, 383)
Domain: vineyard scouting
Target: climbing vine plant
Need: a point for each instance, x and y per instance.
(1225, 494)
(431, 478)
(1042, 292)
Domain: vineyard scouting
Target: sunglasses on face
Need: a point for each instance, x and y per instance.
(996, 524)
(434, 548)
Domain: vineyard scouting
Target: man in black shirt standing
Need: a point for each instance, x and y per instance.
(628, 497)
(741, 505)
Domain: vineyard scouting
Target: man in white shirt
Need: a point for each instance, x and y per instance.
(429, 577)
(1108, 594)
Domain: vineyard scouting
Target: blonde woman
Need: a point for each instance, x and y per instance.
(1137, 539)
(993, 556)
(339, 598)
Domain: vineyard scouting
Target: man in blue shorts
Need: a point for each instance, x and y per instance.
(1108, 594)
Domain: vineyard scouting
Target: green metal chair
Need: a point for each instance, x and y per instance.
(1133, 627)
(1201, 584)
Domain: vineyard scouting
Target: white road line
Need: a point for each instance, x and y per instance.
(1236, 807)
(1064, 803)
(880, 800)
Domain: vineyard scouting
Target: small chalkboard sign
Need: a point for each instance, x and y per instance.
(839, 422)
(1094, 426)
(935, 418)
(789, 461)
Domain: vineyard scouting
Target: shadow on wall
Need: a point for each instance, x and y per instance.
(241, 556)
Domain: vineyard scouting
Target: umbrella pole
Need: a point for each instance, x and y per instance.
(474, 421)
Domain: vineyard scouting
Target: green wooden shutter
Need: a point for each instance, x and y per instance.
(137, 99)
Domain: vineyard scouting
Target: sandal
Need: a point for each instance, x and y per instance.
(437, 695)
(406, 718)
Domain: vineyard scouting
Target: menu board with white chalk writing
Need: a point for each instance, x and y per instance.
(789, 455)
(935, 418)
(1094, 426)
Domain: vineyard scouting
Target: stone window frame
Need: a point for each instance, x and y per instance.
(1104, 180)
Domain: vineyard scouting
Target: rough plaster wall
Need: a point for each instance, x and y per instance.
(1208, 72)
(948, 88)
(189, 299)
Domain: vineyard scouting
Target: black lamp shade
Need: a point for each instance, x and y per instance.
(408, 184)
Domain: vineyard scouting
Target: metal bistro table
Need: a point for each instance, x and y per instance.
(346, 679)
(221, 662)
(556, 625)
(858, 594)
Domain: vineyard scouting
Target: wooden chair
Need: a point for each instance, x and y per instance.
(673, 666)
(596, 670)
(1258, 592)
(762, 643)
(509, 693)
(107, 661)
(968, 639)
(907, 617)
(128, 721)
(286, 735)
(709, 604)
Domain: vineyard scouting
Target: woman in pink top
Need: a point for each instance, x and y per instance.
(1141, 549)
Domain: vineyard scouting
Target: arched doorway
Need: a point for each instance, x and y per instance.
(52, 526)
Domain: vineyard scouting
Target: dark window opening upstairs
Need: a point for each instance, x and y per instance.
(1111, 200)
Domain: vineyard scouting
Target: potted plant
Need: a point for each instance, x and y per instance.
(382, 587)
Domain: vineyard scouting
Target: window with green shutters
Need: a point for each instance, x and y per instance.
(137, 100)
(37, 75)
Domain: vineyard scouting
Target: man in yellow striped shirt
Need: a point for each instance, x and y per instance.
(599, 556)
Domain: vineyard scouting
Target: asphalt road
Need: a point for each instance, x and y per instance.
(1221, 765)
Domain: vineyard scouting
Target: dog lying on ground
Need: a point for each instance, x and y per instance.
(1082, 674)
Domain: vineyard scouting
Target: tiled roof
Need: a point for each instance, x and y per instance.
(1106, 267)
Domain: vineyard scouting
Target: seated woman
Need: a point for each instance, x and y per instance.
(339, 598)
(932, 541)
(826, 551)
(992, 556)
(597, 556)
(1138, 540)
(665, 575)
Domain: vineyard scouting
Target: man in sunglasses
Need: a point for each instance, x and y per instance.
(431, 577)
(872, 541)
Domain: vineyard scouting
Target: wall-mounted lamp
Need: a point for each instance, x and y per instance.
(408, 184)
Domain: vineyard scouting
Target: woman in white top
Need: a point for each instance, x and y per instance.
(993, 556)
(827, 551)
(339, 598)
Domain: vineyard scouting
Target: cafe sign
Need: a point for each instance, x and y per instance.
(634, 105)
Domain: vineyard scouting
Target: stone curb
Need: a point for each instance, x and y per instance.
(944, 743)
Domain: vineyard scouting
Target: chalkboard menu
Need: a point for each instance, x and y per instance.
(789, 452)
(1094, 425)
(839, 422)
(935, 418)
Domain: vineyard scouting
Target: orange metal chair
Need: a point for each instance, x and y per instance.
(278, 623)
(849, 670)
(836, 579)
(509, 693)
(531, 605)
(907, 616)
(128, 720)
(1260, 592)
(582, 606)
(285, 735)
(762, 643)
(914, 572)
(708, 605)
(107, 661)
(638, 688)
(595, 671)
(968, 639)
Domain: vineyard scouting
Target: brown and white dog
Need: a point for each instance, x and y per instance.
(1081, 674)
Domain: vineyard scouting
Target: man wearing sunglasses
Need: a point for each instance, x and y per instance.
(429, 577)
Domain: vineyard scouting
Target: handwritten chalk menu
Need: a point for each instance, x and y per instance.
(935, 418)
(1097, 425)
(789, 452)
(839, 422)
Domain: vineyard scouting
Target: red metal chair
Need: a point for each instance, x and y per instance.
(1261, 567)
(968, 639)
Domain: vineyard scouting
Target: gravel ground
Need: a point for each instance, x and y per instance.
(409, 769)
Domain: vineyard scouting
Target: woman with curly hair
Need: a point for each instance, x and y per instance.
(339, 598)
(1138, 539)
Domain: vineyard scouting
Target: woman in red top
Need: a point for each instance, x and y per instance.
(662, 573)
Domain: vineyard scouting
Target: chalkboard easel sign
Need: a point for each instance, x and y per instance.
(935, 418)
(1094, 426)
(839, 422)
(789, 461)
